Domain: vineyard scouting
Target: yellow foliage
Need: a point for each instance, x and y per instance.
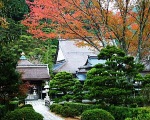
(3, 23)
(96, 3)
(1, 4)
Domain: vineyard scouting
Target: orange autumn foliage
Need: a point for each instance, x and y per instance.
(92, 21)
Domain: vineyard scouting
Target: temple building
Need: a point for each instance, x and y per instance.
(89, 64)
(36, 74)
(75, 60)
(78, 60)
(70, 57)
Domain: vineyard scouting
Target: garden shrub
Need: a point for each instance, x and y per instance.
(96, 114)
(69, 112)
(140, 117)
(13, 105)
(25, 113)
(27, 105)
(81, 107)
(52, 107)
(57, 108)
(2, 111)
(121, 113)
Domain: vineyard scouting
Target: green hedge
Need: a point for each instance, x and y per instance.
(121, 113)
(2, 111)
(52, 107)
(96, 114)
(25, 113)
(81, 107)
(143, 116)
(65, 111)
(69, 112)
(57, 108)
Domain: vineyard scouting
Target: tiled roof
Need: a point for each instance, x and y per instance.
(93, 60)
(75, 57)
(81, 76)
(31, 71)
(34, 72)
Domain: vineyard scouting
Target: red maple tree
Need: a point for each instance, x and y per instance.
(93, 22)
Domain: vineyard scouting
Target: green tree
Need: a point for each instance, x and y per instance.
(36, 51)
(62, 85)
(10, 78)
(15, 9)
(12, 11)
(112, 82)
(78, 91)
(10, 29)
(145, 89)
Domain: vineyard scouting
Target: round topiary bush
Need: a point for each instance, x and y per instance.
(69, 112)
(26, 113)
(96, 114)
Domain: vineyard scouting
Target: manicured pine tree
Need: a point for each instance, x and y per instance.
(62, 86)
(112, 82)
(78, 91)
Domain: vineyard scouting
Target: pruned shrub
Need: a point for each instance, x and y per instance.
(52, 107)
(65, 111)
(140, 117)
(26, 113)
(57, 108)
(96, 114)
(81, 107)
(27, 105)
(121, 113)
(69, 112)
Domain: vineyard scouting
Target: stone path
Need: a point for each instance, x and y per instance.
(40, 107)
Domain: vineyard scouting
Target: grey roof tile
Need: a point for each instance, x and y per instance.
(75, 57)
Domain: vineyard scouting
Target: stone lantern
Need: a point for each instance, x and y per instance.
(46, 87)
(34, 90)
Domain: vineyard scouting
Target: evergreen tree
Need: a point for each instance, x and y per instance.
(14, 9)
(78, 91)
(145, 89)
(11, 12)
(62, 86)
(112, 82)
(9, 77)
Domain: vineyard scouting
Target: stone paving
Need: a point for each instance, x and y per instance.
(39, 106)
